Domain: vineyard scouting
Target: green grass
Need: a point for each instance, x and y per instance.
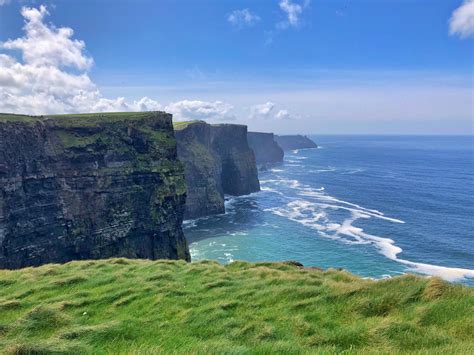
(81, 119)
(10, 117)
(140, 306)
(183, 124)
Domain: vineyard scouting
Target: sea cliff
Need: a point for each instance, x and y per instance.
(89, 186)
(295, 142)
(266, 149)
(218, 161)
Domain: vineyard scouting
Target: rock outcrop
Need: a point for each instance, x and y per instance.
(266, 149)
(295, 142)
(88, 187)
(217, 161)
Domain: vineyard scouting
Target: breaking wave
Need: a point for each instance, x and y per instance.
(313, 207)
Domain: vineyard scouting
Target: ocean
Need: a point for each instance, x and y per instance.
(377, 206)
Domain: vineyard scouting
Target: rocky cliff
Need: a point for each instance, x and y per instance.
(295, 142)
(203, 170)
(239, 169)
(217, 161)
(266, 149)
(89, 186)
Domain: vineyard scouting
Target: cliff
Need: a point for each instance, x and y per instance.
(295, 142)
(203, 170)
(239, 170)
(217, 161)
(89, 186)
(265, 147)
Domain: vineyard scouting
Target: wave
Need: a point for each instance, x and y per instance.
(311, 210)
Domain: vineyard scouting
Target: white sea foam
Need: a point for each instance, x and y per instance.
(310, 211)
(229, 257)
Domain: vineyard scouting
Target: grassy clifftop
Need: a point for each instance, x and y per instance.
(78, 119)
(121, 305)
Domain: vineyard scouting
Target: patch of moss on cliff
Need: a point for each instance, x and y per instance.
(160, 139)
(69, 139)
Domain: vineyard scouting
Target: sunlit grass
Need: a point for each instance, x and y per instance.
(123, 306)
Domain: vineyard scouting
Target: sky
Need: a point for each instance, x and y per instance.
(286, 66)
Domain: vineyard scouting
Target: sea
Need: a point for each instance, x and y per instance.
(377, 206)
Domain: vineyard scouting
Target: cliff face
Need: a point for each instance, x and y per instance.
(265, 147)
(239, 170)
(203, 170)
(217, 161)
(295, 142)
(88, 187)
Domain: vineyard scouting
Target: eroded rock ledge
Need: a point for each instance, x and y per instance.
(89, 186)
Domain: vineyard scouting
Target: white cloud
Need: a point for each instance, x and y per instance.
(200, 110)
(53, 74)
(241, 18)
(262, 110)
(48, 46)
(462, 20)
(292, 11)
(283, 115)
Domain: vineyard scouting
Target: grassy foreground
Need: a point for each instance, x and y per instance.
(140, 306)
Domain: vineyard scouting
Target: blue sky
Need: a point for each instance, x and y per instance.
(380, 66)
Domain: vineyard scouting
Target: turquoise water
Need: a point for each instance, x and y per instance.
(375, 205)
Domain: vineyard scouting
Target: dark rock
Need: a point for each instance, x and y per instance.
(239, 169)
(293, 263)
(217, 161)
(266, 149)
(88, 187)
(295, 142)
(203, 170)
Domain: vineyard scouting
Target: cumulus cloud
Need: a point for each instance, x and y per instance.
(53, 74)
(242, 18)
(201, 110)
(462, 20)
(262, 110)
(48, 46)
(266, 111)
(283, 115)
(292, 11)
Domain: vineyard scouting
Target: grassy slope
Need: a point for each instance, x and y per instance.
(121, 305)
(183, 124)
